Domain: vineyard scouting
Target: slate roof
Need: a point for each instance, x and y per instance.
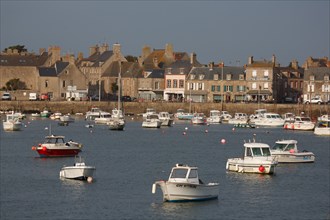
(318, 72)
(53, 71)
(209, 73)
(128, 69)
(97, 58)
(23, 60)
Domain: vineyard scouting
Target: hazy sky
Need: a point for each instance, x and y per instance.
(215, 30)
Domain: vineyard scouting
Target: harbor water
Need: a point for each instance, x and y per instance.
(128, 163)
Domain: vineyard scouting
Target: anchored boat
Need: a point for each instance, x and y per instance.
(257, 159)
(184, 184)
(79, 170)
(286, 151)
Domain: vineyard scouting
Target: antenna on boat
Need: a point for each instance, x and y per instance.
(254, 138)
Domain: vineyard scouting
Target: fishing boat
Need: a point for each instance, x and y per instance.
(184, 184)
(182, 115)
(152, 121)
(165, 118)
(79, 170)
(199, 119)
(214, 118)
(257, 159)
(96, 112)
(56, 146)
(12, 122)
(268, 120)
(286, 151)
(239, 118)
(323, 127)
(302, 123)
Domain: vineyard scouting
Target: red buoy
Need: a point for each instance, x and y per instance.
(261, 168)
(44, 148)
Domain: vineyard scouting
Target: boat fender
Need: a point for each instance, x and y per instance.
(44, 148)
(261, 168)
(153, 188)
(33, 148)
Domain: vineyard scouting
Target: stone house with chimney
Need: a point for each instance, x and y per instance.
(216, 83)
(317, 83)
(293, 82)
(263, 80)
(95, 65)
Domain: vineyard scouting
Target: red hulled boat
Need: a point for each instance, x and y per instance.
(55, 146)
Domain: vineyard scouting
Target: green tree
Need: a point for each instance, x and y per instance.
(131, 58)
(20, 48)
(15, 84)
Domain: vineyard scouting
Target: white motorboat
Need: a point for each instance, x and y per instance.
(184, 184)
(182, 115)
(96, 112)
(102, 119)
(116, 124)
(286, 151)
(56, 116)
(323, 118)
(66, 118)
(151, 121)
(214, 118)
(300, 123)
(149, 111)
(199, 119)
(322, 127)
(12, 122)
(288, 117)
(257, 159)
(225, 116)
(79, 170)
(239, 118)
(165, 118)
(268, 120)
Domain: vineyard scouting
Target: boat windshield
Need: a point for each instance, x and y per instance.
(256, 152)
(192, 174)
(179, 173)
(266, 151)
(278, 146)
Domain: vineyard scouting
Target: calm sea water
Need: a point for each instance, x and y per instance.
(127, 164)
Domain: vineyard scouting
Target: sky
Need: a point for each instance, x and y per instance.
(216, 30)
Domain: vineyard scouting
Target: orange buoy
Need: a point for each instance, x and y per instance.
(33, 148)
(44, 148)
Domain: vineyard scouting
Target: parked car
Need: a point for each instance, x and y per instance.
(126, 98)
(44, 96)
(6, 96)
(315, 100)
(33, 96)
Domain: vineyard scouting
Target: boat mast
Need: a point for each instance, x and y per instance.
(119, 85)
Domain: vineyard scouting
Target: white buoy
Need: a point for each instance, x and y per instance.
(46, 128)
(206, 131)
(223, 141)
(233, 129)
(89, 179)
(153, 188)
(186, 128)
(184, 133)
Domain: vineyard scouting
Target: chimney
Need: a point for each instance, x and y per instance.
(169, 50)
(250, 60)
(104, 47)
(155, 61)
(80, 56)
(211, 65)
(54, 53)
(116, 49)
(294, 64)
(193, 59)
(71, 59)
(274, 59)
(93, 49)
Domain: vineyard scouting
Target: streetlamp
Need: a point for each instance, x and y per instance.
(222, 94)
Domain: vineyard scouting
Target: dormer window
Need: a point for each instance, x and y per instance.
(201, 76)
(192, 76)
(169, 71)
(228, 77)
(241, 77)
(312, 77)
(215, 76)
(266, 74)
(326, 78)
(181, 70)
(254, 73)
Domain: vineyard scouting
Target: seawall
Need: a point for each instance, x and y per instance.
(140, 107)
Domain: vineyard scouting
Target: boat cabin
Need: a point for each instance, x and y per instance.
(286, 145)
(184, 173)
(256, 150)
(53, 139)
(214, 113)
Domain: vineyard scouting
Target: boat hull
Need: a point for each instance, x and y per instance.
(322, 131)
(299, 126)
(152, 124)
(245, 166)
(183, 192)
(304, 157)
(58, 152)
(12, 126)
(73, 172)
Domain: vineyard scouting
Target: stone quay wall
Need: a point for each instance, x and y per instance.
(136, 108)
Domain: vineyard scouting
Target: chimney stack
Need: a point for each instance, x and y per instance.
(250, 60)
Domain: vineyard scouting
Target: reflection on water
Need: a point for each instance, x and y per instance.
(175, 210)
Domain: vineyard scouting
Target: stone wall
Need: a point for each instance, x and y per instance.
(140, 107)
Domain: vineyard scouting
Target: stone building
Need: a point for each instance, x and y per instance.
(263, 80)
(316, 83)
(216, 83)
(95, 65)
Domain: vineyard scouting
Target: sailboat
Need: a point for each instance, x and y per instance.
(117, 120)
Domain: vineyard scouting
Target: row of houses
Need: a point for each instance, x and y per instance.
(163, 74)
